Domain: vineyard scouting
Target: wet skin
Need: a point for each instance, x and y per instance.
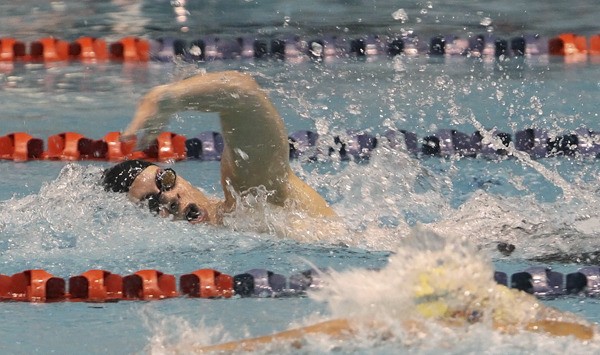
(256, 151)
(183, 201)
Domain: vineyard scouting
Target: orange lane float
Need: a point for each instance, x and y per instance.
(96, 286)
(130, 49)
(71, 146)
(358, 145)
(11, 49)
(63, 146)
(32, 286)
(206, 283)
(149, 285)
(49, 49)
(118, 149)
(20, 147)
(568, 44)
(135, 49)
(89, 49)
(595, 45)
(168, 146)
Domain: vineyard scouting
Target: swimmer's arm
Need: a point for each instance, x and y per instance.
(256, 143)
(343, 329)
(249, 120)
(552, 327)
(337, 328)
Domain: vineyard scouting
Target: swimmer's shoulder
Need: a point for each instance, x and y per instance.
(308, 200)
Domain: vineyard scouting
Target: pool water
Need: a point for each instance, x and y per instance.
(54, 216)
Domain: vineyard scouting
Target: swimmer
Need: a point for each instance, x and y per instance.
(256, 152)
(341, 329)
(431, 281)
(438, 295)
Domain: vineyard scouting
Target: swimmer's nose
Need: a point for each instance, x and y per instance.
(153, 203)
(194, 214)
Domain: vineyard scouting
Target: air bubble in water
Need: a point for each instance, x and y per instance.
(400, 15)
(486, 21)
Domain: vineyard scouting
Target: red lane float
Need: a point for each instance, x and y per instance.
(71, 146)
(96, 286)
(595, 45)
(21, 147)
(119, 149)
(32, 286)
(89, 49)
(49, 50)
(149, 285)
(567, 44)
(103, 286)
(296, 49)
(130, 49)
(206, 283)
(11, 49)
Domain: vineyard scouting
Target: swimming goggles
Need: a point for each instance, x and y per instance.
(165, 179)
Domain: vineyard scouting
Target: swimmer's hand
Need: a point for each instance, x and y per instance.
(151, 117)
(230, 93)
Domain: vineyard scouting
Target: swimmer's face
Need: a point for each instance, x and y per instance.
(169, 194)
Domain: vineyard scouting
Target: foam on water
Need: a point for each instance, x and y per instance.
(425, 263)
(72, 225)
(541, 207)
(378, 203)
(453, 268)
(176, 332)
(546, 208)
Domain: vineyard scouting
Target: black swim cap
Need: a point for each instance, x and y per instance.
(120, 177)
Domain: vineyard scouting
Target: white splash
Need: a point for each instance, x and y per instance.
(400, 15)
(426, 264)
(460, 277)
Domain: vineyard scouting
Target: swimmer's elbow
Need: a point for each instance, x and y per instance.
(236, 76)
(213, 86)
(241, 81)
(212, 92)
(154, 96)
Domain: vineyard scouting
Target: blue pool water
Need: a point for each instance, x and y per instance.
(54, 216)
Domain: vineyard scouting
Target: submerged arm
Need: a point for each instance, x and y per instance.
(335, 328)
(343, 329)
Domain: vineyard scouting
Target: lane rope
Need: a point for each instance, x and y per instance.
(304, 144)
(38, 285)
(295, 48)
